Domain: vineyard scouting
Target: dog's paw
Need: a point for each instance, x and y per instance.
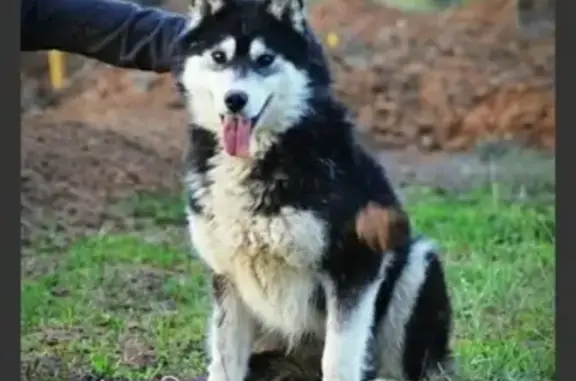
(217, 377)
(218, 373)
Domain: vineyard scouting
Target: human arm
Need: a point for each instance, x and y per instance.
(116, 32)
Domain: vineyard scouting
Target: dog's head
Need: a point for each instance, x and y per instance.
(250, 70)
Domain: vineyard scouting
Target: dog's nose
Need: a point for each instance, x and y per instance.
(235, 100)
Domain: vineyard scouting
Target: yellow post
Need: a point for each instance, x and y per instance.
(57, 69)
(332, 40)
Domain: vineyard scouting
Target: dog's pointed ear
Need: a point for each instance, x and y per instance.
(199, 9)
(292, 11)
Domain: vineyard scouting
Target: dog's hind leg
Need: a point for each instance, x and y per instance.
(348, 330)
(231, 336)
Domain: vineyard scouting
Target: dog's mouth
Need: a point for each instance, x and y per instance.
(237, 130)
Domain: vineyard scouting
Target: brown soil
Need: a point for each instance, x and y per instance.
(442, 82)
(436, 82)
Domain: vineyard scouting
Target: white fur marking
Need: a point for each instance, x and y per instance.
(228, 46)
(200, 8)
(231, 337)
(346, 342)
(295, 9)
(404, 296)
(257, 48)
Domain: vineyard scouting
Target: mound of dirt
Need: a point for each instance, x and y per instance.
(70, 170)
(443, 81)
(107, 137)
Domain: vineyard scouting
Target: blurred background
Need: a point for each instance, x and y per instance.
(427, 79)
(455, 95)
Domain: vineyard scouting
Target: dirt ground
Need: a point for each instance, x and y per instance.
(423, 86)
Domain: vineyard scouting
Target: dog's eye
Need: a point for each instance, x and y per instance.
(219, 57)
(264, 60)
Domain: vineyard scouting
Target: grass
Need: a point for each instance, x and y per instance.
(131, 306)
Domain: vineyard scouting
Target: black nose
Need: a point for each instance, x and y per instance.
(235, 100)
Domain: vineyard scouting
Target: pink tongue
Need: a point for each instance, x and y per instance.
(237, 132)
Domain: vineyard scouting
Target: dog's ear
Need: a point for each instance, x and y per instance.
(199, 9)
(291, 11)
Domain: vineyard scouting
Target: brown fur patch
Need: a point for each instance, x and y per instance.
(383, 228)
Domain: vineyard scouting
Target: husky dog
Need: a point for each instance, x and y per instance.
(274, 179)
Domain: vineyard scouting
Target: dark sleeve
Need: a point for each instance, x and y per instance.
(112, 31)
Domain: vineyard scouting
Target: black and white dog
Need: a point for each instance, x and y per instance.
(274, 181)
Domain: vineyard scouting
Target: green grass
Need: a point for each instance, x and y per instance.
(131, 307)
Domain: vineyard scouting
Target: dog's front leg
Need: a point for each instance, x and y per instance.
(231, 333)
(350, 313)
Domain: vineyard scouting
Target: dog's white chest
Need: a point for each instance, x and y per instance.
(297, 237)
(271, 259)
(280, 296)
